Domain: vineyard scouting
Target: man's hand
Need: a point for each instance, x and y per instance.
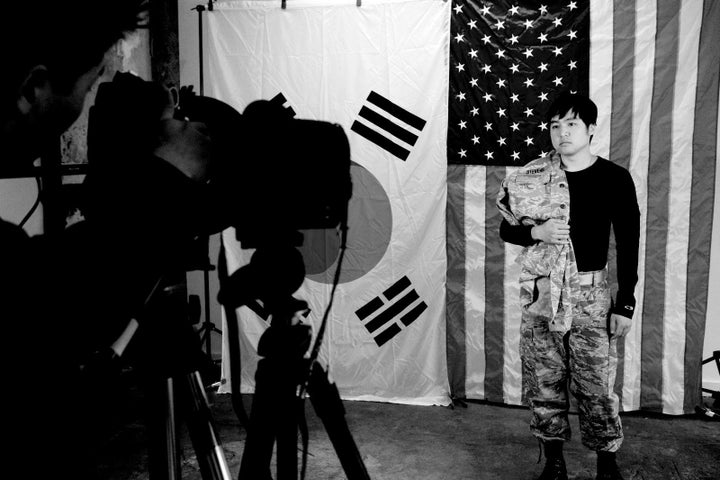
(186, 146)
(552, 231)
(619, 325)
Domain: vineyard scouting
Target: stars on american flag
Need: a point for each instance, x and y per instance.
(509, 60)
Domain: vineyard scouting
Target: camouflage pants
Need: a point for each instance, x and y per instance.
(585, 358)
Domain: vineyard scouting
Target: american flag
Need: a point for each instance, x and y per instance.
(653, 69)
(508, 61)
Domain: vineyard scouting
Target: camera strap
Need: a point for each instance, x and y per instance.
(323, 324)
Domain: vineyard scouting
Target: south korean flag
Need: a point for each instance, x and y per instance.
(380, 71)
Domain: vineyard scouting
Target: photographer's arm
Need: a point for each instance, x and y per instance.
(185, 145)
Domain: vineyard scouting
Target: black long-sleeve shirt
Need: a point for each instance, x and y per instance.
(601, 196)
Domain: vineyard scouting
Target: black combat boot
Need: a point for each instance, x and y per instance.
(607, 468)
(554, 462)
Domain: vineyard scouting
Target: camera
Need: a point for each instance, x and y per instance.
(271, 174)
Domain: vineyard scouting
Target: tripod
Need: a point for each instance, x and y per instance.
(175, 389)
(277, 408)
(183, 397)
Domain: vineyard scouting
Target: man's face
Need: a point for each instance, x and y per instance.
(43, 113)
(569, 134)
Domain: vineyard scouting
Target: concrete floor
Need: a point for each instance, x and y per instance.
(479, 441)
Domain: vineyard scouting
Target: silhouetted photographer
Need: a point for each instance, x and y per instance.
(159, 178)
(264, 173)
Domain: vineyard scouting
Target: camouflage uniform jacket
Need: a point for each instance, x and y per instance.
(530, 196)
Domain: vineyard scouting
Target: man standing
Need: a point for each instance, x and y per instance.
(561, 208)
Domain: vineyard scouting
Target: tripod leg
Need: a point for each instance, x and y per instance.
(233, 342)
(164, 458)
(287, 433)
(328, 406)
(262, 426)
(273, 414)
(210, 455)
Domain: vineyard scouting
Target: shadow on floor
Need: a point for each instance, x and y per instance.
(476, 441)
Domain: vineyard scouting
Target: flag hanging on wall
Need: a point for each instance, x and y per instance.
(507, 64)
(379, 71)
(652, 68)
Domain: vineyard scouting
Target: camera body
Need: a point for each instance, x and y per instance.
(270, 174)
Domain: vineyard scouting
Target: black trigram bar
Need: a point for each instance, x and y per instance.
(376, 303)
(413, 314)
(401, 152)
(367, 310)
(280, 99)
(399, 298)
(396, 111)
(388, 126)
(397, 287)
(392, 311)
(387, 334)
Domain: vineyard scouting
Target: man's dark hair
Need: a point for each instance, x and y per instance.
(580, 105)
(69, 38)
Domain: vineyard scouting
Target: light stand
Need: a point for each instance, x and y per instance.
(207, 328)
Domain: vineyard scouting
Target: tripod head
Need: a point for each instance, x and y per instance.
(274, 273)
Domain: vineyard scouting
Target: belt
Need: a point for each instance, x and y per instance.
(592, 278)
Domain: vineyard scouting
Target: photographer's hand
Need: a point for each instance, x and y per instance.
(184, 144)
